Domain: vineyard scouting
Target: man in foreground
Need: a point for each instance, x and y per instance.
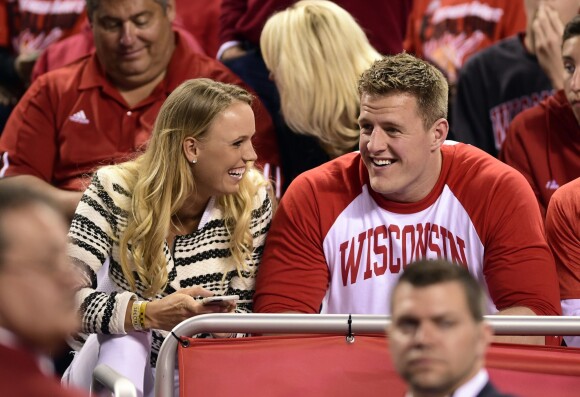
(37, 309)
(437, 336)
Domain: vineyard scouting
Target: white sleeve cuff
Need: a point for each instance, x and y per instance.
(225, 46)
(571, 307)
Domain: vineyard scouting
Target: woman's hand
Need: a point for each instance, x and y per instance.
(169, 311)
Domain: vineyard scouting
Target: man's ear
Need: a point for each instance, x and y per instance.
(486, 337)
(190, 149)
(439, 132)
(170, 10)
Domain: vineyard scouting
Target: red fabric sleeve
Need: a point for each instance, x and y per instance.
(518, 267)
(514, 153)
(293, 274)
(201, 20)
(563, 234)
(29, 137)
(231, 12)
(243, 20)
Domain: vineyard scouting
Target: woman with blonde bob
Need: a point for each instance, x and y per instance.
(185, 220)
(315, 52)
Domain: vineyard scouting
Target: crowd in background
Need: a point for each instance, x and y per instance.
(188, 143)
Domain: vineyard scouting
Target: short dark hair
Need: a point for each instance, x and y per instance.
(425, 273)
(404, 73)
(15, 198)
(92, 6)
(571, 29)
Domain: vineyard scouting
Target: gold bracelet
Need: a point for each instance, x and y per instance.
(135, 318)
(142, 315)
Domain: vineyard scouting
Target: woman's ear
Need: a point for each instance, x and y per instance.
(191, 149)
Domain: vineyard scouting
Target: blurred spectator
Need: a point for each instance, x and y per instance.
(563, 234)
(345, 230)
(101, 109)
(315, 52)
(37, 284)
(543, 142)
(438, 337)
(510, 76)
(26, 29)
(447, 32)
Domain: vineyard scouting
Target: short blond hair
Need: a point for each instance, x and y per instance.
(404, 73)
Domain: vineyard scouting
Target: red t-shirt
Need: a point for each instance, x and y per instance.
(73, 120)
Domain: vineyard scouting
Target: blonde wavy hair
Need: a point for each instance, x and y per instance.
(316, 52)
(161, 180)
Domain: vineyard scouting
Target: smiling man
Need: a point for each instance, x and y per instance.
(437, 335)
(345, 230)
(100, 109)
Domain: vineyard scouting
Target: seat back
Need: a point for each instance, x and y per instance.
(326, 364)
(277, 366)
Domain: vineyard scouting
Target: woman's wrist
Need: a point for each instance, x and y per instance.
(138, 315)
(149, 319)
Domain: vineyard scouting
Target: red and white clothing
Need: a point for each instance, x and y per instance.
(336, 243)
(73, 120)
(32, 25)
(447, 32)
(563, 234)
(543, 143)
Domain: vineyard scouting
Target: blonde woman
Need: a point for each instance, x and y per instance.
(185, 220)
(315, 52)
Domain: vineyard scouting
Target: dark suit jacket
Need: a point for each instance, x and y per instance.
(20, 376)
(490, 391)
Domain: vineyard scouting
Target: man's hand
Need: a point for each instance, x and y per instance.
(547, 29)
(523, 340)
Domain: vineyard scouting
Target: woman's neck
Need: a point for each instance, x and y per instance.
(187, 218)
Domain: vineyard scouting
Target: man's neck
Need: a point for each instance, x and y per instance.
(135, 95)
